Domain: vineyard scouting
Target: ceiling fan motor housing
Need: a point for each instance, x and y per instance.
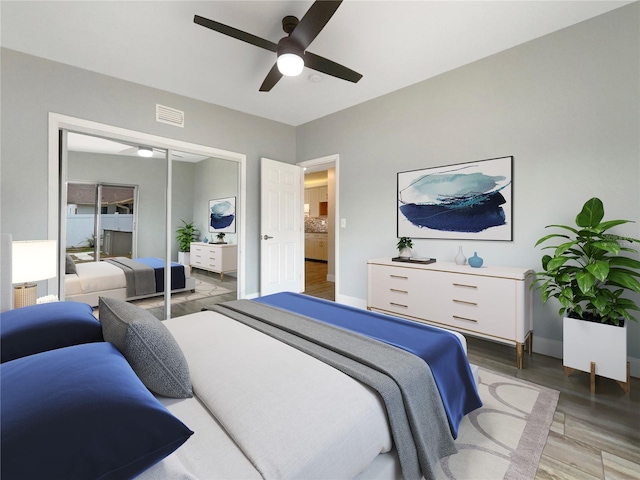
(289, 23)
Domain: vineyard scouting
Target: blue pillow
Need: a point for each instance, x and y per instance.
(38, 328)
(81, 412)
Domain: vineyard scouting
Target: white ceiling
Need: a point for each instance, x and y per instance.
(392, 43)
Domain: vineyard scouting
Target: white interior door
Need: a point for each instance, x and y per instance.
(282, 236)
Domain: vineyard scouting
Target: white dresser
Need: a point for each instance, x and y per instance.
(215, 257)
(489, 302)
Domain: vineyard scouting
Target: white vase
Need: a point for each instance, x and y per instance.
(405, 252)
(460, 258)
(584, 342)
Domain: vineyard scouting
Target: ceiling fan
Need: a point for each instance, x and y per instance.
(290, 50)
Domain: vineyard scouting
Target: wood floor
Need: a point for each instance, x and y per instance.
(315, 280)
(592, 437)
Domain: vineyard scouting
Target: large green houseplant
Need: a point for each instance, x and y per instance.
(586, 271)
(186, 234)
(588, 275)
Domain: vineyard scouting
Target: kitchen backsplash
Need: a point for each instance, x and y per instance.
(315, 224)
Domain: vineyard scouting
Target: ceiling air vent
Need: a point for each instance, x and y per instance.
(169, 115)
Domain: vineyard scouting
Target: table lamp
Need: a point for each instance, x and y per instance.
(32, 260)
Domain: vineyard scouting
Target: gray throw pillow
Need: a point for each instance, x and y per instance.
(148, 346)
(70, 265)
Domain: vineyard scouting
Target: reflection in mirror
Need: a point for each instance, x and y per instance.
(196, 181)
(114, 215)
(124, 196)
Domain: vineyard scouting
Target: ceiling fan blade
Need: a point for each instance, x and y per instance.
(329, 67)
(313, 22)
(273, 77)
(235, 33)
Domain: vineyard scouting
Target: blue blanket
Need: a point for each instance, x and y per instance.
(177, 273)
(441, 350)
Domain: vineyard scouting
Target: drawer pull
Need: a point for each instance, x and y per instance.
(463, 285)
(398, 305)
(465, 302)
(465, 318)
(399, 276)
(397, 291)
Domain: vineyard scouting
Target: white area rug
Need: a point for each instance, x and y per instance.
(203, 289)
(504, 438)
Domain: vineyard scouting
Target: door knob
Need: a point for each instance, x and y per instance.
(267, 237)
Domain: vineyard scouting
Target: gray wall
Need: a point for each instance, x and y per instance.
(566, 106)
(33, 87)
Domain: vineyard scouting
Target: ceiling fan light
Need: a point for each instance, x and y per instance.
(145, 152)
(290, 64)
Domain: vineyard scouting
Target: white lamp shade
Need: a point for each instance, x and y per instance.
(290, 64)
(34, 260)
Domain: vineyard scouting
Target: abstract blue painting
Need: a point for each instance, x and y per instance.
(465, 201)
(222, 215)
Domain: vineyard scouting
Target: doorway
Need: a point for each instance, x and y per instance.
(320, 227)
(100, 221)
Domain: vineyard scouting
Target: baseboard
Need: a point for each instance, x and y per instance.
(351, 301)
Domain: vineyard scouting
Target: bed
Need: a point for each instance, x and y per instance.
(122, 278)
(250, 389)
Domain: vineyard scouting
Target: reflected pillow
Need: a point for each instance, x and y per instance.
(38, 328)
(148, 345)
(70, 265)
(80, 412)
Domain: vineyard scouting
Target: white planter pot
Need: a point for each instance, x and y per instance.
(606, 345)
(405, 253)
(184, 258)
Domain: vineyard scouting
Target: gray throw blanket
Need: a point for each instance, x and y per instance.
(418, 422)
(141, 278)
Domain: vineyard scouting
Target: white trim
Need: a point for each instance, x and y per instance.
(58, 121)
(328, 162)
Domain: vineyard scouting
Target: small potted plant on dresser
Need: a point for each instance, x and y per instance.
(220, 237)
(588, 275)
(186, 234)
(404, 247)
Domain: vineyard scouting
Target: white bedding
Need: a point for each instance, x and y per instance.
(103, 279)
(288, 414)
(96, 276)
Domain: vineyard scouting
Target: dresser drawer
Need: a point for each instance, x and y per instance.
(479, 304)
(399, 290)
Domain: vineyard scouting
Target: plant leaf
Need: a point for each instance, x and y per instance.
(591, 214)
(585, 281)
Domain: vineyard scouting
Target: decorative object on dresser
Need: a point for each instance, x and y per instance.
(32, 260)
(222, 215)
(588, 276)
(220, 237)
(214, 257)
(494, 303)
(465, 201)
(460, 259)
(475, 261)
(404, 247)
(186, 234)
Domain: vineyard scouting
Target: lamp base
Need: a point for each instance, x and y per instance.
(25, 295)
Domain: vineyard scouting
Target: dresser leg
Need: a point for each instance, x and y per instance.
(519, 355)
(221, 277)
